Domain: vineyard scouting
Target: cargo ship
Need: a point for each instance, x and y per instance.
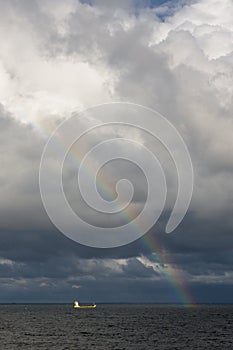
(77, 306)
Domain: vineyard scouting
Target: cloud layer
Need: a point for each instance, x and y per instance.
(55, 60)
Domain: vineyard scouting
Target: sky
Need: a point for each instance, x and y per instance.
(58, 58)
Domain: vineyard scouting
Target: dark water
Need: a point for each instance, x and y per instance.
(116, 327)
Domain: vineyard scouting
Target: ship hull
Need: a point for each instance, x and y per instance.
(85, 307)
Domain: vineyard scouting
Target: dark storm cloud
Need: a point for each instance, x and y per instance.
(200, 246)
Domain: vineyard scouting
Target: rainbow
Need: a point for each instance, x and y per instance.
(173, 276)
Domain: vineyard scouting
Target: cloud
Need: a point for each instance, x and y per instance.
(41, 82)
(56, 60)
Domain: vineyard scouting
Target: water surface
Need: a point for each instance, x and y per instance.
(137, 327)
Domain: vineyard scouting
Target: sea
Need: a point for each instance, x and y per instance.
(136, 327)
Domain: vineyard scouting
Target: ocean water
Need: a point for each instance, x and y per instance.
(116, 327)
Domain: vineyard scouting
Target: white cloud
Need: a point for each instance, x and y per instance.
(75, 286)
(35, 83)
(7, 262)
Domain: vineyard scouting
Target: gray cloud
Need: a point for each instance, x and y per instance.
(63, 59)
